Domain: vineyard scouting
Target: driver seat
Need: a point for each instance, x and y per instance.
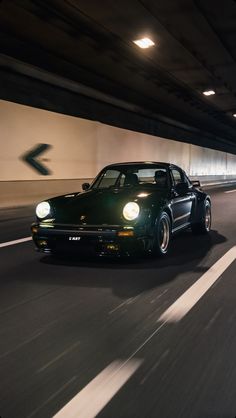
(161, 178)
(131, 179)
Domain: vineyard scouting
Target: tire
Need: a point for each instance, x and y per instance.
(204, 226)
(162, 236)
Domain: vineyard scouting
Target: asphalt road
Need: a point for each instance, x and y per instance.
(91, 329)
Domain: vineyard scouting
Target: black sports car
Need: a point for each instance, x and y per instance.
(128, 206)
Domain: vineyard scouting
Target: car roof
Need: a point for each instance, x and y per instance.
(161, 163)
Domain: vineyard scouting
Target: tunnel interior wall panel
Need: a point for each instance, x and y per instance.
(79, 148)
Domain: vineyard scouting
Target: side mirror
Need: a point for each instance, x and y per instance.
(85, 186)
(196, 183)
(182, 188)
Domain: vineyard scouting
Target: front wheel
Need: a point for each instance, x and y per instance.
(204, 226)
(162, 235)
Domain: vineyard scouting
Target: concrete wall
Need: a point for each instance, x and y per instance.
(79, 148)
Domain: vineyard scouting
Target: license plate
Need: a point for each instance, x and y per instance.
(74, 238)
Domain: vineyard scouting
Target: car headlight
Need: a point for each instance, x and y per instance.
(42, 210)
(131, 211)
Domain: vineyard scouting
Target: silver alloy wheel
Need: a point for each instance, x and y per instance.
(208, 218)
(164, 234)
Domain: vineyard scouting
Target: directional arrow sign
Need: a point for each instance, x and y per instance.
(30, 158)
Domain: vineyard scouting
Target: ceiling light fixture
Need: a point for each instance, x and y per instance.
(144, 43)
(209, 92)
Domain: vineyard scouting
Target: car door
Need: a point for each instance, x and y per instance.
(181, 203)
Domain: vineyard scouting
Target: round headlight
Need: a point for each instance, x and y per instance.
(42, 210)
(131, 211)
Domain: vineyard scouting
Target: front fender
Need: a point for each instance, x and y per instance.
(158, 209)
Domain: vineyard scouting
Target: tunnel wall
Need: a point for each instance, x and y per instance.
(79, 148)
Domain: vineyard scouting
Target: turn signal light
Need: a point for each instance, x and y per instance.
(125, 233)
(34, 229)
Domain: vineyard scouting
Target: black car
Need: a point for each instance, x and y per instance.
(128, 207)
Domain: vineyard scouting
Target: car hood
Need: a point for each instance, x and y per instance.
(97, 207)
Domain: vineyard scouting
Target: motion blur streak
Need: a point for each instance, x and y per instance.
(186, 302)
(92, 399)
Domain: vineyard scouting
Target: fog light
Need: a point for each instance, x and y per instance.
(42, 242)
(112, 247)
(125, 234)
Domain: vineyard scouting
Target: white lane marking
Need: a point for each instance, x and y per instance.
(231, 191)
(122, 365)
(16, 241)
(53, 396)
(189, 298)
(95, 396)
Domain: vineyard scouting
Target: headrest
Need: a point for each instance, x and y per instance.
(131, 179)
(160, 177)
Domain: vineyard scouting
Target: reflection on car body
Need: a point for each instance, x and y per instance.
(128, 207)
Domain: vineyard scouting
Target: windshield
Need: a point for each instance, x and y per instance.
(132, 176)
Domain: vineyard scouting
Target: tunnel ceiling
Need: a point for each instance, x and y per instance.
(91, 42)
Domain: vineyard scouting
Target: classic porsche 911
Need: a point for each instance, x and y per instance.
(128, 207)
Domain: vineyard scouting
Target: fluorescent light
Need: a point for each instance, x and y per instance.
(144, 43)
(209, 92)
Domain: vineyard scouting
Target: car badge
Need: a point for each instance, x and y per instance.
(82, 218)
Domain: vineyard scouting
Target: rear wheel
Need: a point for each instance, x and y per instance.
(162, 235)
(204, 226)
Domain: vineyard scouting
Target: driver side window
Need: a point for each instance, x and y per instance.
(177, 176)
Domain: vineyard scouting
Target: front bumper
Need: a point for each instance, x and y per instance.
(99, 240)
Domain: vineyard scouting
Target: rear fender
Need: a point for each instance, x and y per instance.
(199, 214)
